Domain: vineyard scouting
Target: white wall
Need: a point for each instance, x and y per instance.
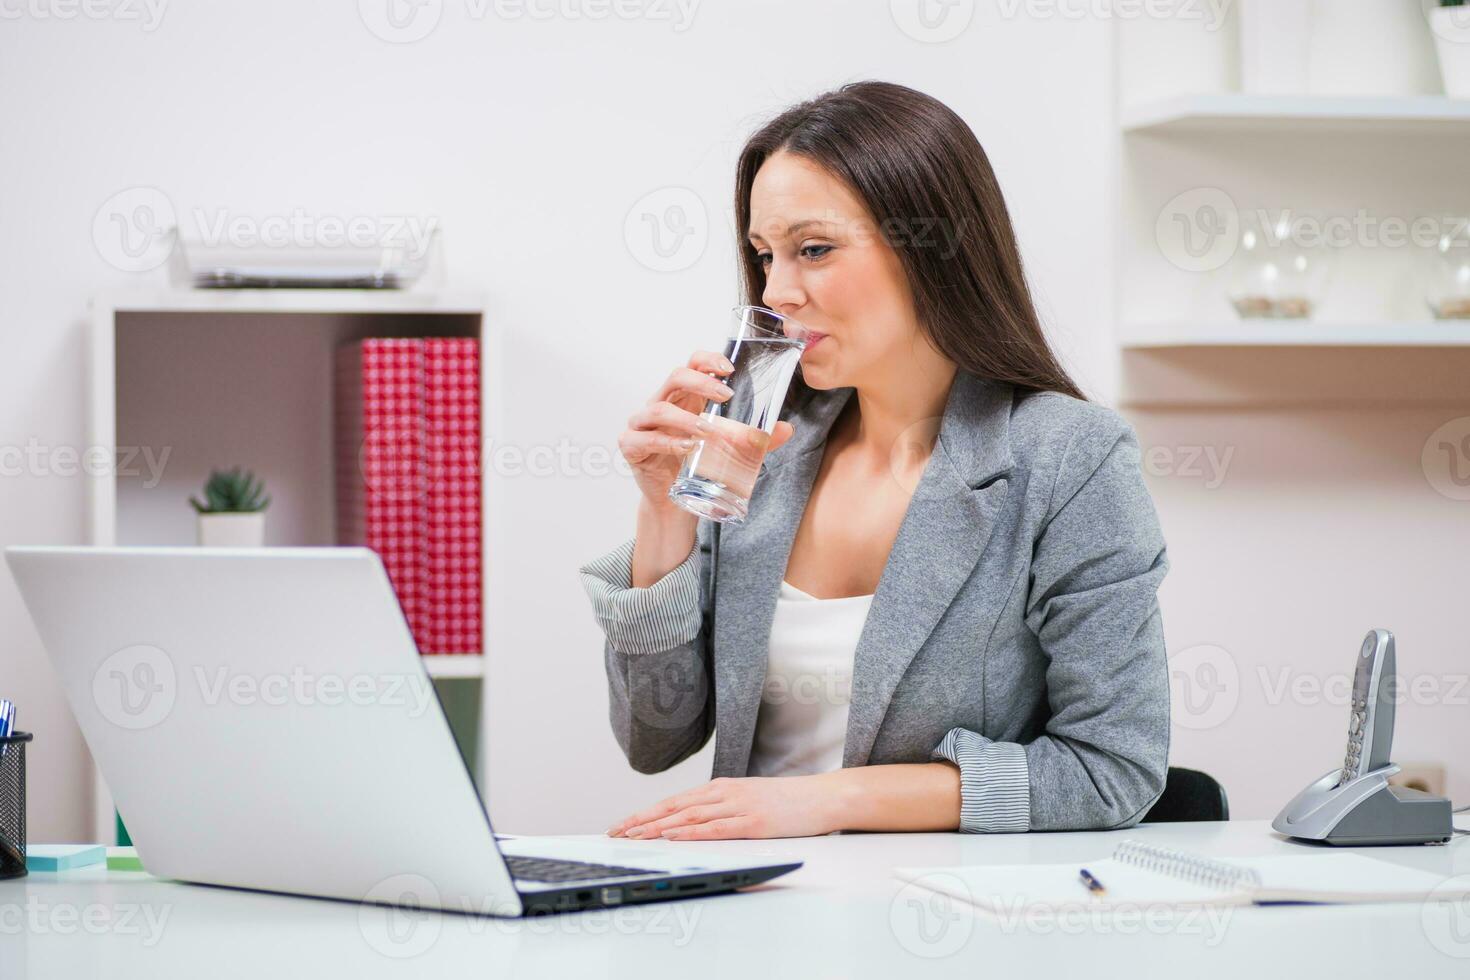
(1310, 527)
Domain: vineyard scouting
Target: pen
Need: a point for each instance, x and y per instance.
(1090, 880)
(7, 723)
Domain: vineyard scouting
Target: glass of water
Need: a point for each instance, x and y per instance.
(719, 473)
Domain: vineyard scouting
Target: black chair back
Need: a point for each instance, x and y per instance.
(1189, 795)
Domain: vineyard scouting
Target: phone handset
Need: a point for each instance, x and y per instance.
(1370, 725)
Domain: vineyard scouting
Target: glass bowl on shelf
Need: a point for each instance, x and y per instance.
(1278, 270)
(1448, 294)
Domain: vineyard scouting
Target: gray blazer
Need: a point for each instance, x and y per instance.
(1015, 630)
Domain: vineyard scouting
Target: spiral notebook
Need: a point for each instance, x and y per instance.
(1148, 874)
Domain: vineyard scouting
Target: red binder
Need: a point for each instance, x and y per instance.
(408, 478)
(451, 581)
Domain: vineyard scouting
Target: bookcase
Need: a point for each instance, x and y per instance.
(185, 380)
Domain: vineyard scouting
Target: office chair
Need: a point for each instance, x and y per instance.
(1189, 795)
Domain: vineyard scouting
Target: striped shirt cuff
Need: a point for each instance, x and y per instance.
(652, 620)
(995, 782)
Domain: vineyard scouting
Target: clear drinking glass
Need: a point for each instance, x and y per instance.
(719, 473)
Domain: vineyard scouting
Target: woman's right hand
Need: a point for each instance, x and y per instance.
(667, 428)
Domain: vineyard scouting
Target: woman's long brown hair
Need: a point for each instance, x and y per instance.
(930, 189)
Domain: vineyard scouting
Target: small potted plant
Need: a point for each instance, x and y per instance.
(232, 514)
(1451, 23)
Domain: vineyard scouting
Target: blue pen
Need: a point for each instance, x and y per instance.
(7, 724)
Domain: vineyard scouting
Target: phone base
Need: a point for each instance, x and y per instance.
(1365, 811)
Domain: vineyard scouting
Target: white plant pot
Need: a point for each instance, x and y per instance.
(1451, 27)
(1275, 46)
(232, 530)
(1371, 47)
(1168, 48)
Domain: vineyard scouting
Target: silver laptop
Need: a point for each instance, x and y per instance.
(264, 721)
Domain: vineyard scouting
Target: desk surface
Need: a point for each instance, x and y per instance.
(842, 915)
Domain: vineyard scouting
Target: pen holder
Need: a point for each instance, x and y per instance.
(13, 804)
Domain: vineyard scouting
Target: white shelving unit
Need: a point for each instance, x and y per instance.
(1290, 333)
(226, 377)
(456, 665)
(1330, 156)
(1272, 113)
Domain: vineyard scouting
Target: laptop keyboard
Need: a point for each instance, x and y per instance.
(553, 869)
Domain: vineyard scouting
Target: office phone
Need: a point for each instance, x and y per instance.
(1355, 804)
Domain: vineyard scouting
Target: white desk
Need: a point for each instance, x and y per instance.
(843, 915)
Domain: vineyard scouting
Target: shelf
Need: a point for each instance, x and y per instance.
(1289, 333)
(1235, 113)
(327, 301)
(245, 375)
(454, 665)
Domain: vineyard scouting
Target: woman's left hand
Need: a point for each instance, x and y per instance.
(757, 806)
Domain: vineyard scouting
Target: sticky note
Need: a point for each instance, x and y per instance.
(123, 859)
(63, 857)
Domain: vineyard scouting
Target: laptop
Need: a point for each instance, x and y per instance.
(264, 721)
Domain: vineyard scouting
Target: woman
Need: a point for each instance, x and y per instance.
(941, 611)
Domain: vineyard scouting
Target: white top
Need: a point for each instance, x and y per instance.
(802, 725)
